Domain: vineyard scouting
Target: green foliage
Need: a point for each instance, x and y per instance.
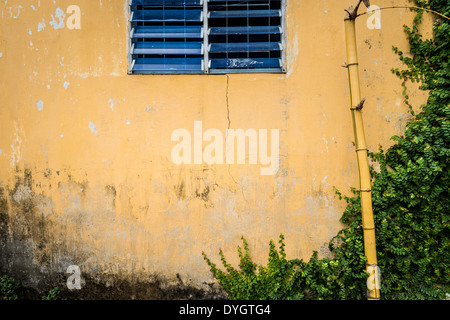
(53, 294)
(8, 287)
(411, 202)
(278, 280)
(283, 279)
(411, 191)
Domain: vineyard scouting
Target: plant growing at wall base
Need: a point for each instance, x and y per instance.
(277, 280)
(289, 279)
(8, 287)
(53, 294)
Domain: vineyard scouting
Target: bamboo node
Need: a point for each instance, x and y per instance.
(345, 65)
(359, 106)
(352, 64)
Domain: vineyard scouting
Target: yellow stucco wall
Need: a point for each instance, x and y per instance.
(86, 176)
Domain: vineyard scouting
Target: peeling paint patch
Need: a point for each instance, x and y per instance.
(292, 51)
(66, 84)
(60, 15)
(128, 122)
(326, 143)
(151, 109)
(111, 104)
(40, 105)
(85, 75)
(41, 26)
(1, 54)
(16, 153)
(92, 127)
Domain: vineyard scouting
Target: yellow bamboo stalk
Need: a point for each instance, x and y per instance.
(373, 282)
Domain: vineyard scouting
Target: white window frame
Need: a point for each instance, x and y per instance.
(205, 66)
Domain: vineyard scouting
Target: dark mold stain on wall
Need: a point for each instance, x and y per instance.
(34, 251)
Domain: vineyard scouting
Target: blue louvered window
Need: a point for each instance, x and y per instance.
(206, 36)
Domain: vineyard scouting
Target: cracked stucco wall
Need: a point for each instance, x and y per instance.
(86, 177)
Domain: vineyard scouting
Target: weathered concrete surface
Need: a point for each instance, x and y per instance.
(36, 249)
(86, 176)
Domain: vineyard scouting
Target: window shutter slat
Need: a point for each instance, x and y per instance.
(244, 47)
(161, 32)
(154, 65)
(245, 14)
(245, 63)
(168, 48)
(167, 16)
(245, 30)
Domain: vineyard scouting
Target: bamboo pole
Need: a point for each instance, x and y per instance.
(373, 282)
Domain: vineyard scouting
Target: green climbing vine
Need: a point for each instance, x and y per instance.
(410, 197)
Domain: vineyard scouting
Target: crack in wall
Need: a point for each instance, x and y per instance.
(229, 122)
(229, 125)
